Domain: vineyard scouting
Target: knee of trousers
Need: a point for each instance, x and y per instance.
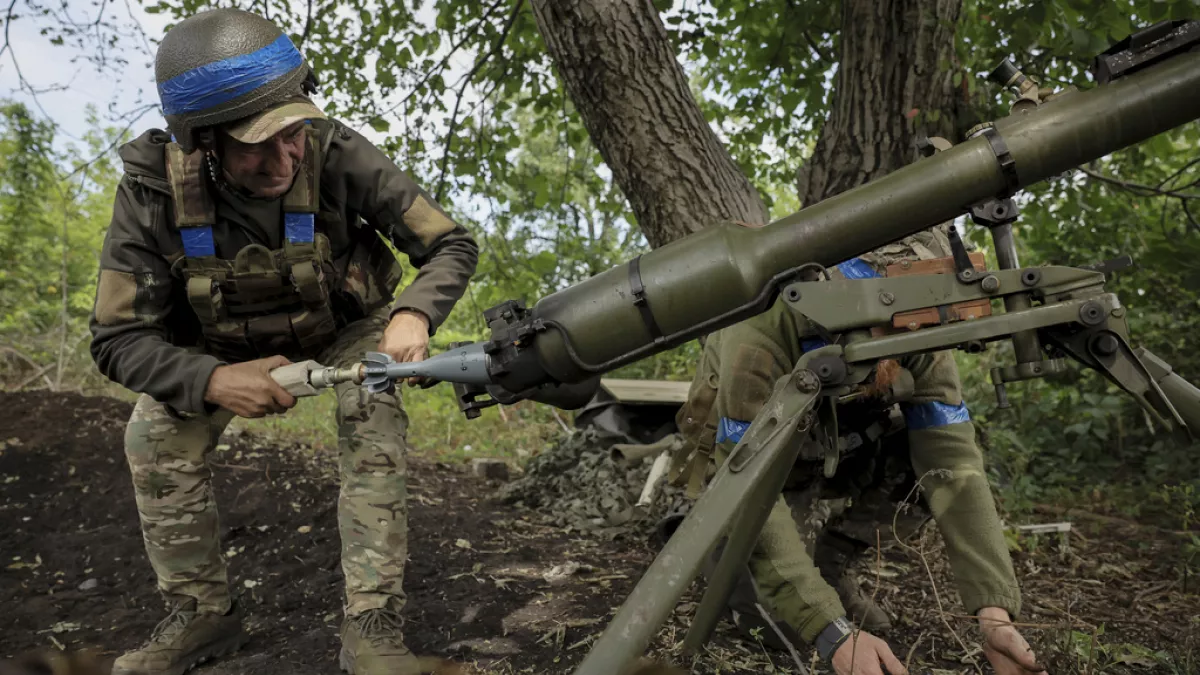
(379, 416)
(159, 444)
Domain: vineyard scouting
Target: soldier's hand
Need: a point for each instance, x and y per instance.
(865, 654)
(406, 340)
(247, 390)
(1004, 646)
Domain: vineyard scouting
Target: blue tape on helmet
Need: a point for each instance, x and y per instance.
(731, 430)
(298, 227)
(222, 81)
(198, 241)
(933, 414)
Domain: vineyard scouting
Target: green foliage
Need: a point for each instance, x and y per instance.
(52, 220)
(470, 105)
(29, 181)
(1080, 430)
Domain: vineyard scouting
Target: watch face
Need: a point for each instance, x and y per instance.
(843, 625)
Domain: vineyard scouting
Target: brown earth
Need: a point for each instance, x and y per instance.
(73, 572)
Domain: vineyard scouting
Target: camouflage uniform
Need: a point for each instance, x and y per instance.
(168, 454)
(820, 524)
(149, 336)
(199, 271)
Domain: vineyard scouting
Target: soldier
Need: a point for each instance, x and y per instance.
(255, 233)
(795, 586)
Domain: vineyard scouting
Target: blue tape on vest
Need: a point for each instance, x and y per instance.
(934, 414)
(298, 227)
(198, 241)
(857, 268)
(731, 430)
(222, 81)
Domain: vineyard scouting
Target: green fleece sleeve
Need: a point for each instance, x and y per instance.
(443, 251)
(754, 355)
(135, 295)
(788, 578)
(950, 467)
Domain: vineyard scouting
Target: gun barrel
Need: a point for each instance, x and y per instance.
(727, 273)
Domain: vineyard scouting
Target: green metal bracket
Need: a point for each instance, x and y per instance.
(840, 305)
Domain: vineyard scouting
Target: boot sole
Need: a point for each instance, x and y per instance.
(200, 656)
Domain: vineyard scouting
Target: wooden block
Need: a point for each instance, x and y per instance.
(960, 311)
(934, 266)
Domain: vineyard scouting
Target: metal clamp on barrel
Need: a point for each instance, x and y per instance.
(639, 299)
(1008, 166)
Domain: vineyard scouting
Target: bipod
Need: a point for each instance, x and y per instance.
(737, 502)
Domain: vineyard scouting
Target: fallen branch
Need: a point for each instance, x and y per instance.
(24, 383)
(1111, 520)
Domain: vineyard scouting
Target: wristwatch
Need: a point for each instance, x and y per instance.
(832, 636)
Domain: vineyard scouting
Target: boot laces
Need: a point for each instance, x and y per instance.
(378, 626)
(169, 627)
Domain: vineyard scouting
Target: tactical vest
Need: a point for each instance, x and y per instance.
(291, 300)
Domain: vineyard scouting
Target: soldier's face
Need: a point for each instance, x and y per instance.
(265, 169)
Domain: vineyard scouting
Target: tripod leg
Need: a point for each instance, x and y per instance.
(745, 479)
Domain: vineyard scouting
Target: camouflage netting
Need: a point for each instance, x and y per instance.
(575, 483)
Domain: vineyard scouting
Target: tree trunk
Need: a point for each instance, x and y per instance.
(894, 80)
(619, 68)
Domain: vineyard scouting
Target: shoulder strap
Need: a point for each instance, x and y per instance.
(195, 211)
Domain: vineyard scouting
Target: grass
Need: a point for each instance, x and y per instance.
(437, 429)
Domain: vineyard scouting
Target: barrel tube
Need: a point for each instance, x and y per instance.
(726, 273)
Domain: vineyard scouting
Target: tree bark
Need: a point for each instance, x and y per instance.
(620, 69)
(894, 81)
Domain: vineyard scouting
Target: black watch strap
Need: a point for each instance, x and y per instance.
(832, 636)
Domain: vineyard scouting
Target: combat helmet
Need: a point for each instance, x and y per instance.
(224, 65)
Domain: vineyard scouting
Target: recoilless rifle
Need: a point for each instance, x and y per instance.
(556, 351)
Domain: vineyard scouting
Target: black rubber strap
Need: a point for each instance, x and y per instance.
(831, 637)
(1008, 166)
(639, 299)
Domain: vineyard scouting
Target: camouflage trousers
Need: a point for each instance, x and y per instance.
(168, 458)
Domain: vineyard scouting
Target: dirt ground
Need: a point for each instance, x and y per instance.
(482, 580)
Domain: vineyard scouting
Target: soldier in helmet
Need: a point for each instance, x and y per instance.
(907, 425)
(254, 233)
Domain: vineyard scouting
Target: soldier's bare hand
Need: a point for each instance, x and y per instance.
(406, 339)
(1004, 646)
(247, 390)
(865, 654)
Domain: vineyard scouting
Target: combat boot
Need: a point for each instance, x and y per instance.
(183, 640)
(372, 644)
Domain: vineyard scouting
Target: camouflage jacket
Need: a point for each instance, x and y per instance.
(147, 337)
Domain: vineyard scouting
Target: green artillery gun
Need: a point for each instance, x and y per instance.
(556, 351)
